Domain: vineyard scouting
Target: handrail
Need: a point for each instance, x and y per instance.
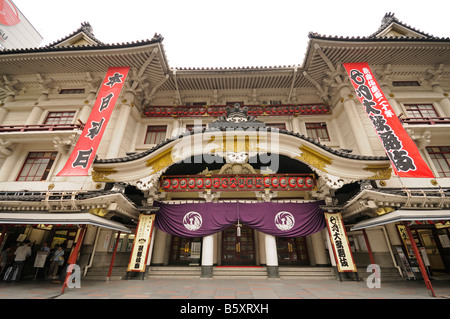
(40, 127)
(426, 120)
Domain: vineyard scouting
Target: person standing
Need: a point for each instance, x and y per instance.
(56, 260)
(22, 253)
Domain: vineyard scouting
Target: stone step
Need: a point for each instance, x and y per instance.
(174, 272)
(101, 273)
(239, 272)
(306, 272)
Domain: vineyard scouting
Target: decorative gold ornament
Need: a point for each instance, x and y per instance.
(383, 183)
(51, 186)
(100, 174)
(314, 158)
(434, 182)
(160, 161)
(380, 171)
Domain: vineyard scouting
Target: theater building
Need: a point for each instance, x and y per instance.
(225, 172)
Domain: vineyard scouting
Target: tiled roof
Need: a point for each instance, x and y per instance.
(135, 156)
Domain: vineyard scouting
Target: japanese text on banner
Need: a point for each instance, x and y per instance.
(400, 148)
(84, 152)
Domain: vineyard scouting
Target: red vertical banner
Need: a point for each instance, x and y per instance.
(83, 154)
(401, 149)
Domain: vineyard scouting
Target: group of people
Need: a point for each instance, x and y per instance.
(12, 270)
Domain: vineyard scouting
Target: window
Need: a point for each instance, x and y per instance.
(420, 111)
(440, 156)
(155, 134)
(56, 118)
(71, 91)
(36, 166)
(317, 131)
(405, 83)
(281, 126)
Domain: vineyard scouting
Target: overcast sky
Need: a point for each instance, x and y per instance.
(232, 33)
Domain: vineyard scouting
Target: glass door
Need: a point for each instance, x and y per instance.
(238, 250)
(292, 251)
(185, 251)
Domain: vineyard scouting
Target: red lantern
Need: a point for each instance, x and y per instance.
(216, 183)
(224, 182)
(208, 182)
(233, 182)
(183, 183)
(191, 183)
(266, 181)
(292, 182)
(249, 182)
(283, 182)
(166, 183)
(275, 182)
(300, 182)
(258, 182)
(309, 182)
(175, 183)
(199, 183)
(241, 182)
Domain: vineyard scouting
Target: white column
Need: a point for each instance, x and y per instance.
(10, 163)
(176, 130)
(34, 116)
(319, 249)
(262, 248)
(119, 131)
(84, 113)
(444, 102)
(296, 125)
(207, 256)
(159, 247)
(359, 132)
(271, 256)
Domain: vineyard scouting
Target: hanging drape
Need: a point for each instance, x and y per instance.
(203, 219)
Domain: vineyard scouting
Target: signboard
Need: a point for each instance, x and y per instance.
(15, 30)
(339, 242)
(141, 243)
(83, 154)
(400, 148)
(39, 261)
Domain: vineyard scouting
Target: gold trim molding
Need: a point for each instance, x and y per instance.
(314, 158)
(100, 174)
(380, 171)
(160, 161)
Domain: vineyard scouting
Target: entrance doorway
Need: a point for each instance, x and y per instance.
(292, 251)
(238, 250)
(185, 251)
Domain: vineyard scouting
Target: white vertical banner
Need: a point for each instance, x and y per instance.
(141, 245)
(339, 242)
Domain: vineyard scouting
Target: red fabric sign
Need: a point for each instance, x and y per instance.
(400, 148)
(83, 154)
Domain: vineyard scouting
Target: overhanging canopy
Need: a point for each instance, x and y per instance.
(403, 215)
(61, 218)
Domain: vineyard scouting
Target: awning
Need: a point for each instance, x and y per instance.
(403, 215)
(61, 219)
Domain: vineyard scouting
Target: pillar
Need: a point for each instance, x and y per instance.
(34, 116)
(3, 113)
(10, 163)
(159, 248)
(444, 102)
(271, 256)
(354, 120)
(176, 128)
(121, 125)
(296, 125)
(320, 254)
(207, 256)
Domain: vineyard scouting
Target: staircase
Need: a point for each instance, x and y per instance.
(101, 273)
(237, 272)
(174, 272)
(306, 273)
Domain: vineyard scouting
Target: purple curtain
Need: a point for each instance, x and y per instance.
(203, 219)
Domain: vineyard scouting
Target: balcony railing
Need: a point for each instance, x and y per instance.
(218, 110)
(40, 128)
(426, 120)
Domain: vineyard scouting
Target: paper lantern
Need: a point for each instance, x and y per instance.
(309, 182)
(183, 183)
(258, 182)
(208, 182)
(249, 182)
(241, 182)
(175, 183)
(216, 182)
(233, 182)
(199, 182)
(300, 182)
(191, 183)
(224, 182)
(275, 181)
(283, 182)
(266, 182)
(292, 182)
(166, 183)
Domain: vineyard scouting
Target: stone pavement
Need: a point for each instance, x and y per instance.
(213, 289)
